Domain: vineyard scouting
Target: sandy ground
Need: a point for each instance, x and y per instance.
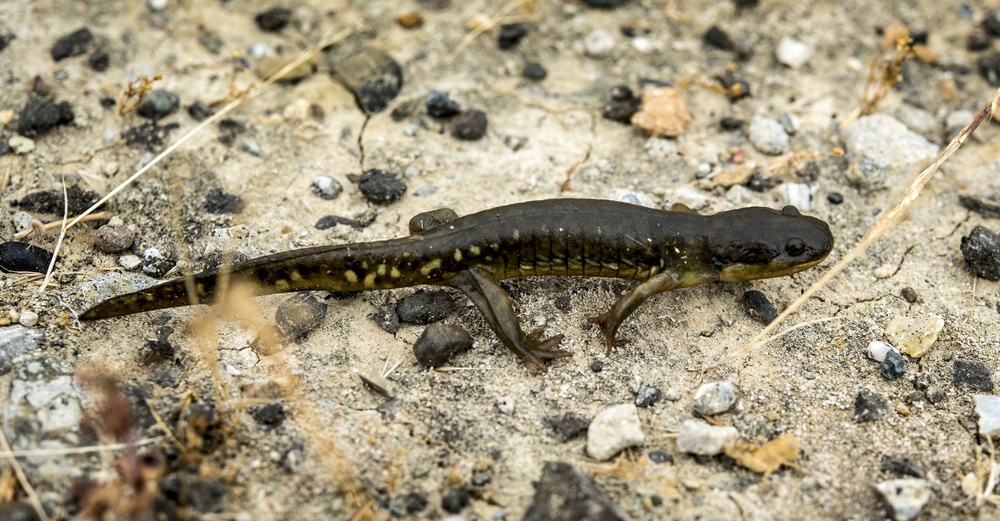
(359, 451)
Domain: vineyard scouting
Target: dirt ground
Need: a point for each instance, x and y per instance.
(343, 450)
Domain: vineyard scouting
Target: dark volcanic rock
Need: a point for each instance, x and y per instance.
(562, 493)
(370, 74)
(40, 115)
(73, 44)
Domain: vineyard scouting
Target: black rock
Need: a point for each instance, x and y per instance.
(534, 71)
(329, 221)
(759, 307)
(978, 40)
(40, 115)
(218, 202)
(455, 500)
(381, 187)
(370, 74)
(746, 4)
(730, 123)
(113, 239)
(229, 129)
(4, 147)
(903, 466)
(909, 294)
(622, 106)
(51, 201)
(597, 365)
(718, 38)
(869, 406)
(511, 35)
(470, 125)
(567, 426)
(893, 366)
(99, 60)
(5, 40)
(108, 102)
(972, 374)
(562, 493)
(199, 111)
(207, 495)
(834, 197)
(981, 250)
(989, 67)
(987, 205)
(660, 456)
(155, 264)
(604, 4)
(440, 105)
(269, 415)
(647, 396)
(414, 502)
(159, 104)
(387, 319)
(274, 19)
(148, 136)
(300, 314)
(20, 256)
(760, 183)
(563, 303)
(425, 307)
(439, 342)
(991, 23)
(73, 44)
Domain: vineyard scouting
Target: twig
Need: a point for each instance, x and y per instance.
(62, 235)
(99, 216)
(885, 221)
(69, 451)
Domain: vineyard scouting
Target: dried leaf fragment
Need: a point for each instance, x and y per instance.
(768, 457)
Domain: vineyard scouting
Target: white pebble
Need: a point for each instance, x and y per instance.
(158, 5)
(698, 437)
(612, 430)
(800, 195)
(505, 404)
(21, 220)
(715, 398)
(260, 50)
(767, 135)
(988, 409)
(28, 318)
(628, 196)
(793, 53)
(905, 496)
(20, 144)
(877, 350)
(129, 262)
(599, 43)
(642, 44)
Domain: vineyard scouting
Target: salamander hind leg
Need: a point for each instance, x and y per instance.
(625, 306)
(496, 307)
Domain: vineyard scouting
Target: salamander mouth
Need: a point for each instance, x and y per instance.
(745, 272)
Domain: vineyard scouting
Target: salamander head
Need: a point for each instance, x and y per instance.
(759, 243)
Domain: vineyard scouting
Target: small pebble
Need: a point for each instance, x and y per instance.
(381, 187)
(567, 426)
(877, 350)
(155, 264)
(329, 221)
(718, 38)
(129, 262)
(218, 202)
(935, 394)
(113, 239)
(439, 342)
(730, 123)
(767, 135)
(989, 67)
(660, 456)
(269, 415)
(981, 249)
(300, 313)
(622, 106)
(792, 52)
(885, 271)
(597, 366)
(563, 493)
(455, 500)
(914, 336)
(373, 76)
(157, 5)
(23, 257)
(534, 71)
(600, 42)
(20, 145)
(470, 125)
(869, 406)
(28, 318)
(698, 437)
(159, 104)
(39, 115)
(759, 307)
(991, 23)
(440, 105)
(835, 198)
(505, 404)
(612, 430)
(973, 375)
(73, 44)
(881, 149)
(511, 35)
(987, 205)
(99, 60)
(904, 497)
(410, 20)
(425, 307)
(672, 394)
(903, 466)
(274, 19)
(988, 409)
(5, 39)
(326, 187)
(714, 398)
(893, 366)
(646, 396)
(199, 111)
(387, 319)
(977, 40)
(663, 112)
(605, 4)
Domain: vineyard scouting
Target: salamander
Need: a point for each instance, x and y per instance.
(662, 250)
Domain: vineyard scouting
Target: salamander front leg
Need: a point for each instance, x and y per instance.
(494, 304)
(624, 307)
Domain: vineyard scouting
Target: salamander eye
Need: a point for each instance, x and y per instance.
(795, 247)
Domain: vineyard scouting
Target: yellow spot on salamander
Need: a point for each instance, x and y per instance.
(426, 269)
(370, 280)
(282, 284)
(458, 255)
(295, 276)
(474, 250)
(394, 273)
(381, 270)
(517, 235)
(200, 287)
(351, 276)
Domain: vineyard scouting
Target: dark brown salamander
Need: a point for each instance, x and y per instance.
(664, 250)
